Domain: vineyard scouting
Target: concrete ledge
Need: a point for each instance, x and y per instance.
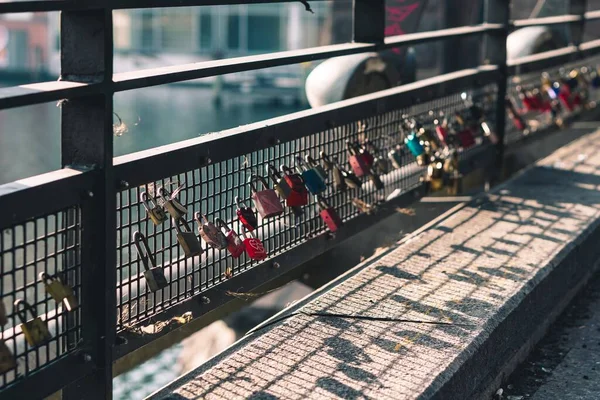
(442, 315)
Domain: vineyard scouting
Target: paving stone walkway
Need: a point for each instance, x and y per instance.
(401, 325)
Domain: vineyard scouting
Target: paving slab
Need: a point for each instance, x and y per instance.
(439, 315)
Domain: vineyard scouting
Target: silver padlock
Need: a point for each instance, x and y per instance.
(211, 235)
(155, 276)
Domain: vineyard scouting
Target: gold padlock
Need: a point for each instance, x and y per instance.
(35, 330)
(171, 204)
(156, 213)
(3, 318)
(59, 290)
(187, 239)
(7, 360)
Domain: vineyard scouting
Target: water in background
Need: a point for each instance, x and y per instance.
(30, 136)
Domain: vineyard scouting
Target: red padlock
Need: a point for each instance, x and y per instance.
(357, 160)
(254, 246)
(329, 215)
(298, 195)
(565, 98)
(246, 215)
(266, 201)
(367, 156)
(516, 118)
(466, 138)
(235, 245)
(441, 132)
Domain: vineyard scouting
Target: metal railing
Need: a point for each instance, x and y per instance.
(79, 221)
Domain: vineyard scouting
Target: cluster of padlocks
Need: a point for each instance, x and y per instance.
(35, 329)
(553, 98)
(434, 144)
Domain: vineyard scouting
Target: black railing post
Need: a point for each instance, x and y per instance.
(497, 12)
(576, 29)
(87, 143)
(368, 21)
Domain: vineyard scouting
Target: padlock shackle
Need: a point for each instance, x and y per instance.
(273, 173)
(352, 148)
(286, 170)
(178, 223)
(240, 203)
(301, 165)
(325, 157)
(258, 178)
(200, 218)
(164, 193)
(322, 202)
(21, 308)
(222, 224)
(311, 161)
(245, 233)
(47, 278)
(143, 250)
(148, 201)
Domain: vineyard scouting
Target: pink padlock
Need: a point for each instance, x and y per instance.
(265, 200)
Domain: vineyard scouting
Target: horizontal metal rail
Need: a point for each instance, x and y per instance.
(555, 20)
(70, 5)
(592, 15)
(187, 155)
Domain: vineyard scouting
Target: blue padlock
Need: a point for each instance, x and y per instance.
(312, 179)
(416, 148)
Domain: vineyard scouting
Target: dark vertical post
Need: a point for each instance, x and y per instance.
(87, 143)
(576, 29)
(497, 12)
(368, 21)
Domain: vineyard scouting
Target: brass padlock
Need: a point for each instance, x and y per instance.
(7, 360)
(60, 291)
(171, 204)
(35, 330)
(210, 233)
(435, 175)
(155, 276)
(156, 213)
(186, 238)
(3, 318)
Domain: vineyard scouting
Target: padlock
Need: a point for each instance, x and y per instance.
(265, 200)
(351, 180)
(7, 360)
(441, 132)
(211, 235)
(156, 212)
(463, 132)
(454, 187)
(594, 78)
(155, 276)
(299, 194)
(427, 138)
(246, 215)
(435, 175)
(235, 245)
(310, 176)
(60, 291)
(312, 163)
(529, 103)
(365, 152)
(514, 116)
(356, 160)
(3, 317)
(571, 79)
(171, 204)
(376, 180)
(279, 184)
(381, 165)
(35, 330)
(395, 155)
(187, 239)
(416, 148)
(254, 246)
(339, 183)
(487, 132)
(329, 215)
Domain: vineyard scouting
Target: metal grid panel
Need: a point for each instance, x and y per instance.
(540, 121)
(49, 244)
(212, 189)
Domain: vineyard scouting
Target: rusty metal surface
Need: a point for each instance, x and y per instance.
(453, 284)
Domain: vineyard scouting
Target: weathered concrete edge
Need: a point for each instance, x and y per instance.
(520, 323)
